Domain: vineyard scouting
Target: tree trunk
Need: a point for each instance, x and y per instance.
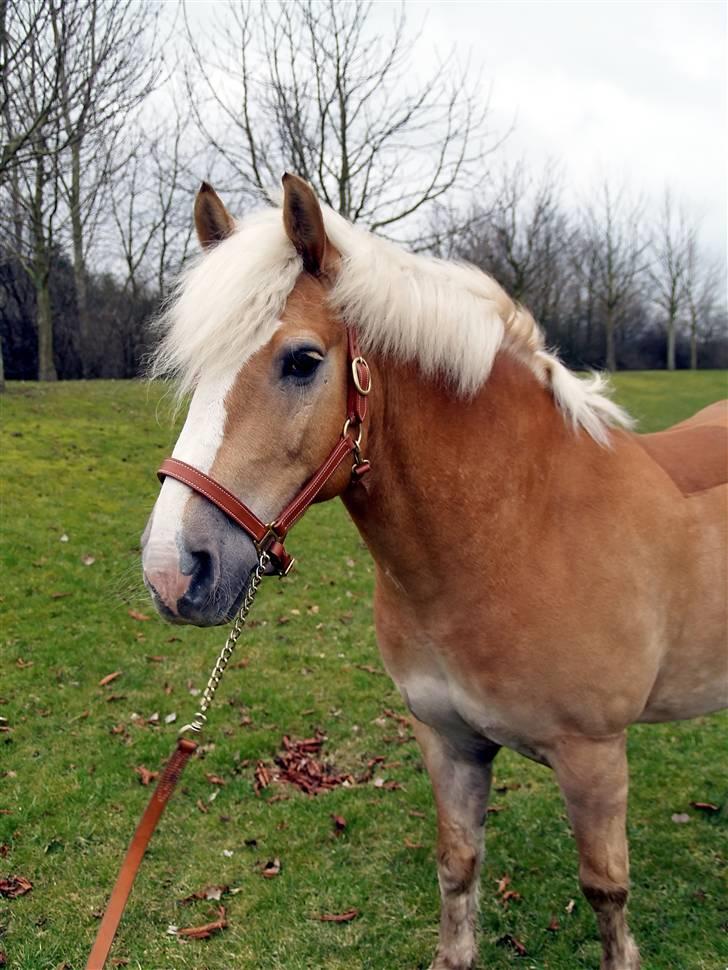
(46, 365)
(79, 262)
(693, 341)
(671, 343)
(611, 346)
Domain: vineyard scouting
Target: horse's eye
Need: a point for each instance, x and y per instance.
(301, 364)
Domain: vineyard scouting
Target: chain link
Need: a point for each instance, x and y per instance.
(208, 695)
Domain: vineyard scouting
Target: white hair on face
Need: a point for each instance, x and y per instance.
(449, 317)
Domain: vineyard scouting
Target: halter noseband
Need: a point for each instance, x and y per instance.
(269, 537)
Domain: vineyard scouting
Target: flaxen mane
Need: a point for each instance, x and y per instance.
(449, 317)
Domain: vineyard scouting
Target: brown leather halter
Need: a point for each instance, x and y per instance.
(269, 537)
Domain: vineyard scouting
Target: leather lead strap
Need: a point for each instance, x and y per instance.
(135, 853)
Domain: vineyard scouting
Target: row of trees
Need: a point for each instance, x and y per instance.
(111, 114)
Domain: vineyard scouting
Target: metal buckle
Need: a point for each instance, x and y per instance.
(355, 376)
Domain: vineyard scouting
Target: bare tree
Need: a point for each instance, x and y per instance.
(673, 242)
(704, 281)
(619, 249)
(114, 69)
(311, 86)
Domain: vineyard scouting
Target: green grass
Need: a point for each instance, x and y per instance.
(79, 460)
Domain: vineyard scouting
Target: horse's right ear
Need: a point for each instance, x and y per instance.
(212, 220)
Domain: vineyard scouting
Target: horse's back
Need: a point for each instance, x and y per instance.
(694, 453)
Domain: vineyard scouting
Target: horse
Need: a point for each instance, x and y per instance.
(545, 577)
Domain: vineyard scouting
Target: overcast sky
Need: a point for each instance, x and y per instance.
(631, 90)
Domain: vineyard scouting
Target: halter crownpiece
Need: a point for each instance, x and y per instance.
(269, 537)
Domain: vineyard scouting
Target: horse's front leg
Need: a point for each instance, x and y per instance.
(593, 776)
(460, 775)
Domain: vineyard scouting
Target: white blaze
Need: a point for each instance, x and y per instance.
(197, 445)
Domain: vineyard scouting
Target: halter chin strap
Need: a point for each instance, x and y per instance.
(270, 537)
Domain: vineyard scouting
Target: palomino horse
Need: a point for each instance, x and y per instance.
(544, 577)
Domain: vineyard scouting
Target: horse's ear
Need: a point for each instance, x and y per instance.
(304, 222)
(212, 220)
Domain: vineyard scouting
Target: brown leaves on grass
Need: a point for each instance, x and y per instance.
(507, 895)
(339, 824)
(145, 775)
(513, 943)
(136, 615)
(346, 917)
(213, 893)
(271, 869)
(297, 765)
(215, 779)
(205, 931)
(15, 886)
(705, 806)
(23, 664)
(109, 678)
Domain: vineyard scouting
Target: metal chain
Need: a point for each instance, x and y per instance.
(208, 695)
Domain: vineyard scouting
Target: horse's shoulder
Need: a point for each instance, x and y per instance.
(694, 453)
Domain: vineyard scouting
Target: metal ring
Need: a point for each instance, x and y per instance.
(345, 432)
(355, 375)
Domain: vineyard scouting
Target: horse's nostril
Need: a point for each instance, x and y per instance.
(200, 567)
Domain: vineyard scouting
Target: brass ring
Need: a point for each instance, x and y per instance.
(345, 431)
(355, 375)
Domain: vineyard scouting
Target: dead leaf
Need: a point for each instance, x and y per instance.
(59, 596)
(553, 926)
(15, 886)
(3, 958)
(346, 917)
(136, 615)
(4, 849)
(511, 941)
(145, 775)
(205, 931)
(23, 663)
(88, 560)
(215, 779)
(262, 777)
(119, 962)
(271, 868)
(494, 809)
(680, 817)
(705, 806)
(155, 658)
(509, 895)
(109, 678)
(569, 908)
(201, 806)
(213, 893)
(368, 669)
(502, 883)
(339, 823)
(412, 845)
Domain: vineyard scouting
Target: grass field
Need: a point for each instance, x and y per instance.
(78, 482)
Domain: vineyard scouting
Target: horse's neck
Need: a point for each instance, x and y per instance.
(454, 478)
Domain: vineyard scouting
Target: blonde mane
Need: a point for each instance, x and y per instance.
(449, 317)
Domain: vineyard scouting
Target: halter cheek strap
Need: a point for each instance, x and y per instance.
(270, 537)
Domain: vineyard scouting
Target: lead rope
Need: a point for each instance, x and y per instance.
(168, 780)
(208, 695)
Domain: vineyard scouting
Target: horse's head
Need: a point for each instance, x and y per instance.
(260, 425)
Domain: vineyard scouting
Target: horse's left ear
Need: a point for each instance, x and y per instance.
(212, 220)
(304, 222)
